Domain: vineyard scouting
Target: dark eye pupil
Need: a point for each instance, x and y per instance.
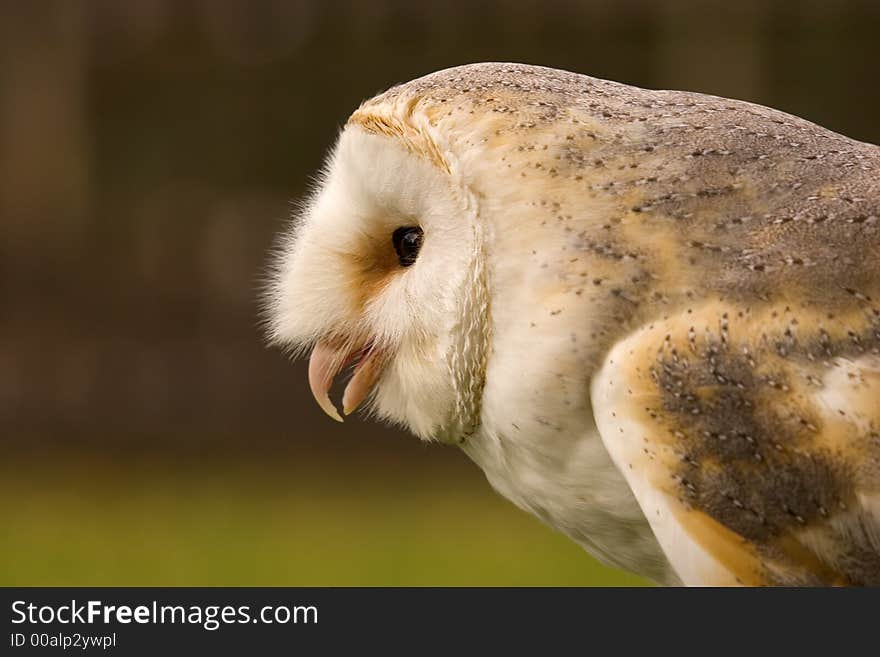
(407, 241)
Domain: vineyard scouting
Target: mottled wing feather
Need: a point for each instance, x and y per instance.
(751, 438)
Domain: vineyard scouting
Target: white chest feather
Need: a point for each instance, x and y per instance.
(539, 447)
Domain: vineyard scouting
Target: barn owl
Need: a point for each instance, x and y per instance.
(651, 317)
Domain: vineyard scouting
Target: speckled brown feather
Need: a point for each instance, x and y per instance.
(734, 425)
(734, 249)
(750, 201)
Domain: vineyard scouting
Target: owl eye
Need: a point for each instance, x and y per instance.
(407, 241)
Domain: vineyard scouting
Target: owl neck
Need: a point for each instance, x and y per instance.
(469, 350)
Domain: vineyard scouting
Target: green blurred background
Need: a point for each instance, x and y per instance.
(150, 150)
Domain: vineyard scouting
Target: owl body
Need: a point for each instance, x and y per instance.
(650, 317)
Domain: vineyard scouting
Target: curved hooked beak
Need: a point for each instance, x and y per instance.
(327, 361)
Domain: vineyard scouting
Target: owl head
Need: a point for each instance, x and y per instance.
(381, 274)
(470, 190)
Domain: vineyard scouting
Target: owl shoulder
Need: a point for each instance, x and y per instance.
(752, 441)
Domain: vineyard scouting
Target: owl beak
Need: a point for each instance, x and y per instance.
(327, 361)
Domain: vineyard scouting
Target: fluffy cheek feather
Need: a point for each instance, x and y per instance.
(316, 288)
(415, 390)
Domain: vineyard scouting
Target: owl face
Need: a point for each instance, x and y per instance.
(372, 277)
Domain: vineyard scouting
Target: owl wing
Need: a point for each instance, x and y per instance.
(751, 440)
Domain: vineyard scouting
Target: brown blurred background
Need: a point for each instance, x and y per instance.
(149, 152)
